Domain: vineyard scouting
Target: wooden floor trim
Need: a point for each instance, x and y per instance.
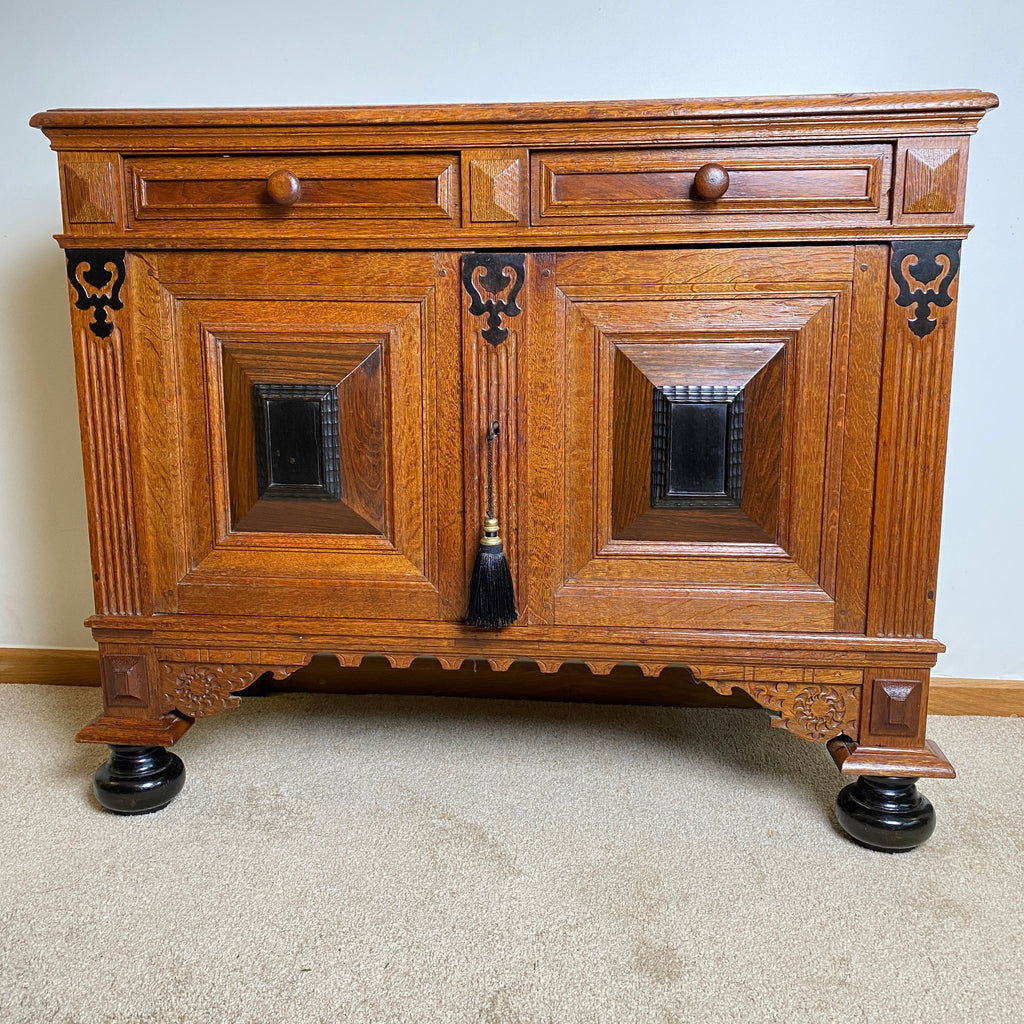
(62, 667)
(994, 697)
(57, 666)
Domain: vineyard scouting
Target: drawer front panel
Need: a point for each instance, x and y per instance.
(361, 188)
(649, 184)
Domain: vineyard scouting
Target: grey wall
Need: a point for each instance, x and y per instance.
(212, 52)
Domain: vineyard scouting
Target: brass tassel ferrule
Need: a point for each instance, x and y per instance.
(490, 539)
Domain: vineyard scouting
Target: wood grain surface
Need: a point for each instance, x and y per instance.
(324, 247)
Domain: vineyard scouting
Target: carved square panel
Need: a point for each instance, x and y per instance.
(305, 436)
(707, 435)
(684, 465)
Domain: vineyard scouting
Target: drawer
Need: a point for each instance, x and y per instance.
(642, 185)
(350, 188)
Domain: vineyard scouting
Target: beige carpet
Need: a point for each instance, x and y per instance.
(372, 859)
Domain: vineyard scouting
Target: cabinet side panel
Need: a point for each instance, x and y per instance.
(101, 316)
(916, 377)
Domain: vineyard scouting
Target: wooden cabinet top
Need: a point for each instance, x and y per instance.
(945, 110)
(531, 175)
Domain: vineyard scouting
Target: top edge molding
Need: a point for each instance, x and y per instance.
(967, 103)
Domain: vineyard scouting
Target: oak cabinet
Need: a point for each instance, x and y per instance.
(710, 342)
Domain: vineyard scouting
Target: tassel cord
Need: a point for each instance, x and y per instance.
(492, 433)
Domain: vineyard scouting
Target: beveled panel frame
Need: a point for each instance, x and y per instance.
(354, 370)
(638, 371)
(799, 301)
(301, 317)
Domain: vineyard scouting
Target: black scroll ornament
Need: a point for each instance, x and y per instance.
(493, 280)
(925, 270)
(97, 276)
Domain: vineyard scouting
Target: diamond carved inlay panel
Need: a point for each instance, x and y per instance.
(495, 190)
(932, 179)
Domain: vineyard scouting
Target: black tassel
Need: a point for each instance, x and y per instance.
(492, 601)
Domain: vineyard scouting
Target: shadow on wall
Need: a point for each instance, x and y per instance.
(46, 583)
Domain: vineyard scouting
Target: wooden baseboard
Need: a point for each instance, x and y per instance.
(56, 666)
(994, 697)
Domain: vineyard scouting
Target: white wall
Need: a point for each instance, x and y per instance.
(215, 52)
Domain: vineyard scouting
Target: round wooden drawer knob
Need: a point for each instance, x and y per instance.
(711, 181)
(284, 188)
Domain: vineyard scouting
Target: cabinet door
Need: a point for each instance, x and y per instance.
(302, 440)
(719, 433)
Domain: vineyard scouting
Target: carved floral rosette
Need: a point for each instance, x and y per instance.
(812, 711)
(199, 689)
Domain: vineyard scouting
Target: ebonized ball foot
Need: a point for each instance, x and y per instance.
(885, 813)
(137, 780)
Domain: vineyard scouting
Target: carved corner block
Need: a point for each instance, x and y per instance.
(496, 186)
(125, 680)
(930, 185)
(932, 177)
(895, 707)
(91, 188)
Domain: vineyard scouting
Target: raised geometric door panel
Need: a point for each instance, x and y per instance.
(305, 439)
(709, 389)
(314, 448)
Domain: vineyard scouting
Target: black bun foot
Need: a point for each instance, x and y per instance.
(884, 813)
(137, 780)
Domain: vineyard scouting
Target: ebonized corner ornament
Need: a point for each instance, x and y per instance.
(493, 280)
(97, 276)
(926, 269)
